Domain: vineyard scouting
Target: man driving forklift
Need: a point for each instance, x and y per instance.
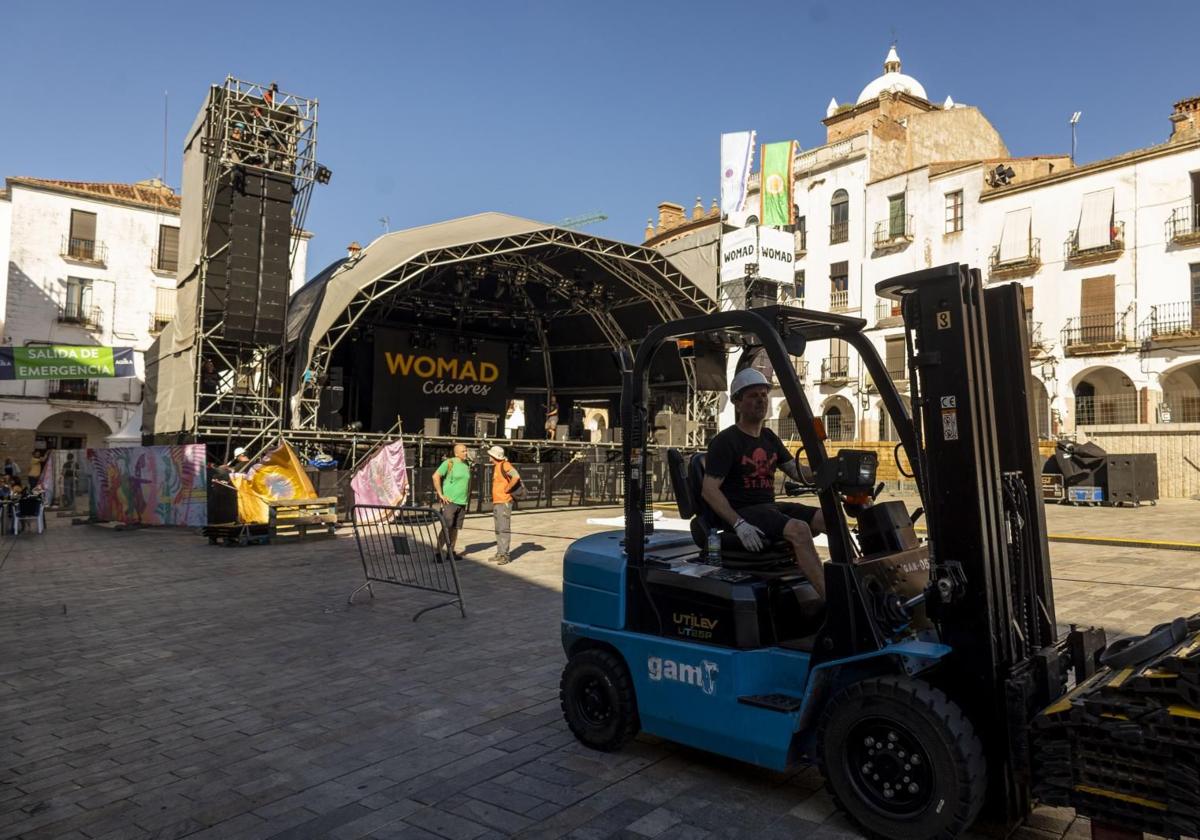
(739, 481)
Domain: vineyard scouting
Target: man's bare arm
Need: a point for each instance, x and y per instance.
(710, 491)
(794, 469)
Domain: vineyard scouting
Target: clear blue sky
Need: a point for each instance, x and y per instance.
(547, 110)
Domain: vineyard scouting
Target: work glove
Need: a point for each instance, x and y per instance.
(750, 537)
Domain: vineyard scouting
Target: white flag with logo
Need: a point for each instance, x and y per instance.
(737, 155)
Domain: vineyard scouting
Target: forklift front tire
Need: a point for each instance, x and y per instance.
(902, 759)
(598, 701)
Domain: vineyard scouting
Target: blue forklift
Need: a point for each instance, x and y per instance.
(913, 683)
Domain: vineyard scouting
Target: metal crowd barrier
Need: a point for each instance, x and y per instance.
(403, 546)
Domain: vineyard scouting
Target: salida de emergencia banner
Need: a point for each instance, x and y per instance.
(64, 361)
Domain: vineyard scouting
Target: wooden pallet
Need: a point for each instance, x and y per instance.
(303, 517)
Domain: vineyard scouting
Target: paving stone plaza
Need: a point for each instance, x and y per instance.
(153, 686)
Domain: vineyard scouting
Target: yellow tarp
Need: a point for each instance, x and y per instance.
(278, 475)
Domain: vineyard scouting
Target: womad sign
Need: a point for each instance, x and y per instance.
(61, 361)
(773, 251)
(414, 383)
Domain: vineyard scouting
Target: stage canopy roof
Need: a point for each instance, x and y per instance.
(575, 296)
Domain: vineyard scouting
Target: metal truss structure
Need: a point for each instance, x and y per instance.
(644, 275)
(249, 128)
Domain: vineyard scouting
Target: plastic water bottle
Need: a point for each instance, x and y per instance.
(714, 547)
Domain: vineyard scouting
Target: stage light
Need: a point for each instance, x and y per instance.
(324, 173)
(479, 270)
(521, 277)
(356, 426)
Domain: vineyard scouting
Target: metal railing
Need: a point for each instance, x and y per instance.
(802, 370)
(1106, 410)
(1183, 223)
(888, 232)
(74, 313)
(839, 300)
(839, 232)
(1171, 320)
(838, 428)
(84, 250)
(72, 389)
(835, 369)
(1091, 330)
(1037, 338)
(897, 370)
(162, 264)
(1114, 246)
(785, 427)
(885, 308)
(1030, 259)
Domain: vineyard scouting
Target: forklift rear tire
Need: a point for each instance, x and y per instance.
(902, 759)
(597, 699)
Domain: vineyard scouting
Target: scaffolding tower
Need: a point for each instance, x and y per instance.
(253, 147)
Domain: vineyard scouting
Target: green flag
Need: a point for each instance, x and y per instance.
(775, 185)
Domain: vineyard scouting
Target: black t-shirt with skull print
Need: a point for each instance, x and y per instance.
(746, 464)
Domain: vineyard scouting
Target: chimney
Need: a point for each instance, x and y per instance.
(714, 211)
(353, 251)
(670, 215)
(698, 210)
(1185, 120)
(649, 229)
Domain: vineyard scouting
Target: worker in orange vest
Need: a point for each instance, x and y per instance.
(504, 480)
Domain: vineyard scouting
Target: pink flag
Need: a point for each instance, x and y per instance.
(383, 480)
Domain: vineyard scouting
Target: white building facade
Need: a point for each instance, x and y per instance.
(1108, 255)
(87, 264)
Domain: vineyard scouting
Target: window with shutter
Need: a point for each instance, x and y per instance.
(896, 216)
(168, 248)
(1097, 309)
(839, 217)
(82, 240)
(894, 357)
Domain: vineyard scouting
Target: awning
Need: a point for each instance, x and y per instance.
(1014, 240)
(1095, 220)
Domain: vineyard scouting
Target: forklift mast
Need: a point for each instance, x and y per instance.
(990, 589)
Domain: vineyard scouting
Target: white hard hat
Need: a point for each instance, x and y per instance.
(497, 452)
(747, 378)
(241, 450)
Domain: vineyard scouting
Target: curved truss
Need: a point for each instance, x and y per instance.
(643, 271)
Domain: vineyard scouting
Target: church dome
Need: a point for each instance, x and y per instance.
(892, 80)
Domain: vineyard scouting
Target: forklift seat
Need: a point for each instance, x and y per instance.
(687, 480)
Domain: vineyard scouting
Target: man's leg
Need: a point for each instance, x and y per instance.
(800, 537)
(503, 516)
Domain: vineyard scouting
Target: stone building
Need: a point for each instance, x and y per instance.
(87, 264)
(1108, 253)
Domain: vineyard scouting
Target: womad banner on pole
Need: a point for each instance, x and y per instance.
(278, 475)
(63, 361)
(383, 480)
(775, 188)
(737, 157)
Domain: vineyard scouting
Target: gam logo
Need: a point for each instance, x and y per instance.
(702, 676)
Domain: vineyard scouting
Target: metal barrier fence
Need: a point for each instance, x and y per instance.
(404, 546)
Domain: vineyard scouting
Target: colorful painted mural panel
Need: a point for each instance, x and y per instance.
(149, 485)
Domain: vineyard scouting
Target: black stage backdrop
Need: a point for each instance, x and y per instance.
(415, 383)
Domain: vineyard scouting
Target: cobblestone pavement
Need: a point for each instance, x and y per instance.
(152, 686)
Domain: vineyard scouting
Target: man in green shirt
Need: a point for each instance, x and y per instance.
(452, 483)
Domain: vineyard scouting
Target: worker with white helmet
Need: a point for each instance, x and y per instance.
(739, 481)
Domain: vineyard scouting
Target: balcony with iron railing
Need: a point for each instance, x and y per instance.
(1183, 225)
(887, 312)
(893, 233)
(84, 251)
(1087, 335)
(801, 366)
(72, 389)
(1171, 325)
(1109, 250)
(839, 301)
(1016, 265)
(1038, 342)
(835, 370)
(88, 317)
(839, 232)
